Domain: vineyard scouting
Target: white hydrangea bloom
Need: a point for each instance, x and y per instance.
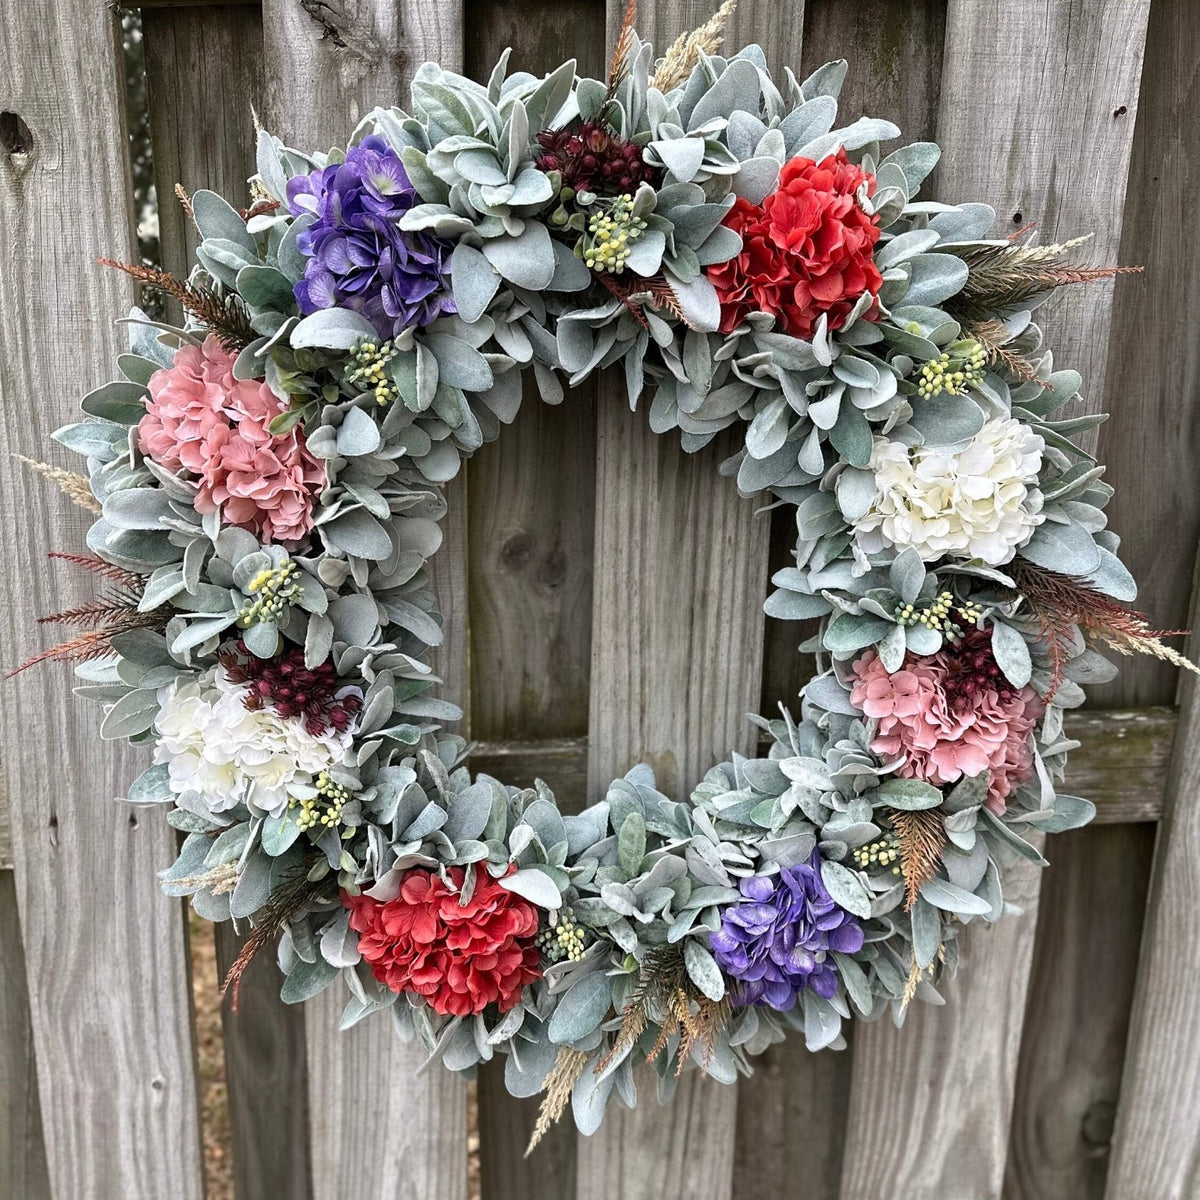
(973, 500)
(219, 749)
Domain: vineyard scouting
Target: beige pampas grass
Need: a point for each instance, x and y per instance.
(75, 487)
(676, 65)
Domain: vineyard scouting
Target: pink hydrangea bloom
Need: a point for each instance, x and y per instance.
(201, 420)
(950, 715)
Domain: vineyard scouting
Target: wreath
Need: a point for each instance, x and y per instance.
(267, 482)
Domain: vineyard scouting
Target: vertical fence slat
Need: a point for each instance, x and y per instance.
(1075, 1025)
(22, 1151)
(680, 572)
(1155, 1153)
(1154, 367)
(533, 490)
(1034, 84)
(894, 48)
(532, 498)
(204, 70)
(1074, 1045)
(377, 1128)
(1156, 1150)
(105, 957)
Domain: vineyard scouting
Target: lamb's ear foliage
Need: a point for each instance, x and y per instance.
(951, 545)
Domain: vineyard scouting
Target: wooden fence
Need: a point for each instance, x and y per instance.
(602, 593)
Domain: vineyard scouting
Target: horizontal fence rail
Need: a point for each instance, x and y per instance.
(602, 594)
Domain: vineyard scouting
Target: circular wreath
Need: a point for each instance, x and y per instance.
(268, 481)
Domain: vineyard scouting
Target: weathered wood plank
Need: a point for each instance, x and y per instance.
(1121, 763)
(532, 515)
(204, 74)
(675, 668)
(1033, 84)
(1156, 1149)
(670, 680)
(1062, 1123)
(204, 69)
(533, 491)
(105, 956)
(22, 1152)
(1074, 1037)
(930, 1102)
(532, 520)
(5, 834)
(1151, 440)
(327, 66)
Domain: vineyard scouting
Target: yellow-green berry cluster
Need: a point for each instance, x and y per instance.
(932, 614)
(953, 371)
(880, 855)
(368, 372)
(935, 614)
(609, 232)
(565, 939)
(325, 808)
(275, 590)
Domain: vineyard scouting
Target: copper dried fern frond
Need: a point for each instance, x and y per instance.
(102, 618)
(922, 838)
(618, 67)
(1010, 275)
(131, 581)
(1059, 603)
(286, 901)
(223, 314)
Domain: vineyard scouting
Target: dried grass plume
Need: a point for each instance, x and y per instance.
(676, 65)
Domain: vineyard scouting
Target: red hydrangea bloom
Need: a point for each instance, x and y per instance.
(202, 420)
(459, 957)
(806, 250)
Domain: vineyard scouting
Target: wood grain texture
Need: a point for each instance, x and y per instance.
(266, 1072)
(393, 1132)
(204, 70)
(331, 62)
(105, 956)
(677, 625)
(532, 511)
(930, 1102)
(1074, 1045)
(1152, 438)
(22, 1151)
(1056, 71)
(680, 573)
(1074, 1035)
(204, 75)
(1156, 1150)
(792, 1123)
(532, 517)
(533, 492)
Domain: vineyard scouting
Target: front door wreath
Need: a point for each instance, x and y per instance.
(268, 482)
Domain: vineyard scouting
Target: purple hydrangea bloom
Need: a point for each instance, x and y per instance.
(359, 258)
(775, 942)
